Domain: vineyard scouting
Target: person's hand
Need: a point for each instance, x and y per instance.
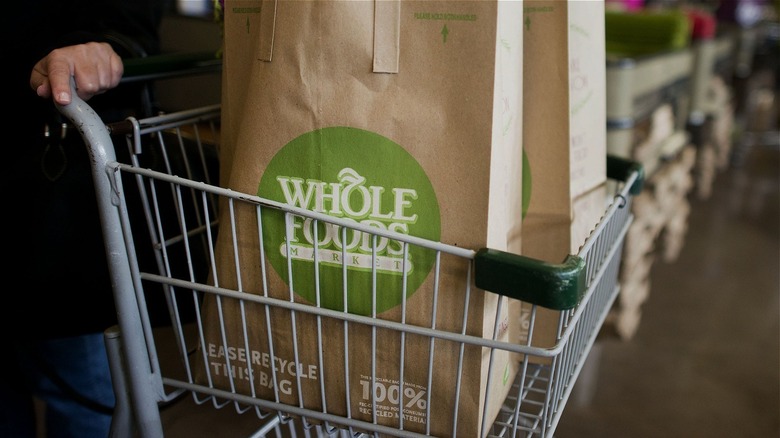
(95, 66)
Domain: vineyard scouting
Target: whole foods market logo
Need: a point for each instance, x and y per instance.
(355, 249)
(361, 177)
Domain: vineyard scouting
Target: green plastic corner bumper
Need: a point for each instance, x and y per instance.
(555, 286)
(621, 168)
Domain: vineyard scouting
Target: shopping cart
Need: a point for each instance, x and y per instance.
(180, 198)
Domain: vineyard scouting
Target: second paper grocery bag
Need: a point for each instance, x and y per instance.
(564, 135)
(399, 115)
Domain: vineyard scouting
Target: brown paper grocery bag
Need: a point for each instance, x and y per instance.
(564, 134)
(401, 115)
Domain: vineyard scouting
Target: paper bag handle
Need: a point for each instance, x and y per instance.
(387, 31)
(387, 34)
(265, 48)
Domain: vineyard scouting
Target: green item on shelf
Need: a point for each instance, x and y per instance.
(646, 32)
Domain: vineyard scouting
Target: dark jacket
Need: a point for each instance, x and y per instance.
(56, 278)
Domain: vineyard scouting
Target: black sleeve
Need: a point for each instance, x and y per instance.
(130, 26)
(35, 27)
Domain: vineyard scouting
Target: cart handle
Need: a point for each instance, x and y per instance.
(170, 65)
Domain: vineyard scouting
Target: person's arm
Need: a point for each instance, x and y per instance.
(95, 66)
(88, 40)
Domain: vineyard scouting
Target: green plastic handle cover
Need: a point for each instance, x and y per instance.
(621, 169)
(170, 65)
(555, 286)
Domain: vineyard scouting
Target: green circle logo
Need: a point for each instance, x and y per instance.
(361, 177)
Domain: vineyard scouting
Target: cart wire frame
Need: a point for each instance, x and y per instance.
(539, 393)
